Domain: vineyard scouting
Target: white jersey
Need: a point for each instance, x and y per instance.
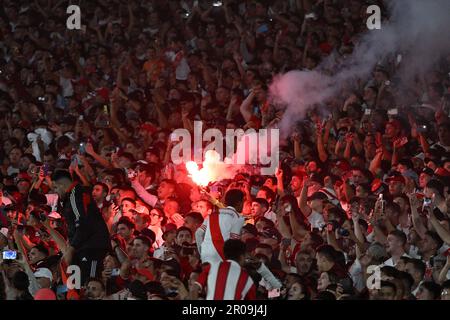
(229, 224)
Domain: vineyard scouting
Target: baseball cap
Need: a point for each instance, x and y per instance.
(169, 228)
(271, 233)
(44, 273)
(54, 215)
(146, 273)
(442, 172)
(318, 196)
(149, 233)
(250, 228)
(400, 179)
(142, 210)
(428, 171)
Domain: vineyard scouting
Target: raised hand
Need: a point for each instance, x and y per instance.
(279, 174)
(349, 137)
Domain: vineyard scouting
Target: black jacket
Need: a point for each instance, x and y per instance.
(85, 225)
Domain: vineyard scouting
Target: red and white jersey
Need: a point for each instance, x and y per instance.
(227, 280)
(219, 228)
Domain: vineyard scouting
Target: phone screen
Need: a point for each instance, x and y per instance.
(82, 148)
(115, 272)
(9, 255)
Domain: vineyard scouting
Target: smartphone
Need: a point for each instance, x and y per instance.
(426, 202)
(9, 255)
(288, 208)
(75, 159)
(131, 174)
(115, 272)
(367, 112)
(82, 148)
(254, 191)
(262, 29)
(380, 198)
(45, 167)
(422, 128)
(217, 3)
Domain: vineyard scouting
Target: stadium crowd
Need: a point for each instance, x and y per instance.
(358, 209)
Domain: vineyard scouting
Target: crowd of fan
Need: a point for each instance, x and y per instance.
(101, 102)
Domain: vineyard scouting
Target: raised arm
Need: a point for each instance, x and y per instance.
(102, 161)
(280, 186)
(443, 233)
(306, 210)
(245, 107)
(416, 219)
(323, 154)
(56, 236)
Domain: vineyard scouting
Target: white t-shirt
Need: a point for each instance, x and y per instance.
(158, 240)
(390, 261)
(271, 216)
(182, 71)
(316, 220)
(66, 85)
(357, 275)
(11, 170)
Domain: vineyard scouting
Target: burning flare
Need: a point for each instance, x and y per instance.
(213, 169)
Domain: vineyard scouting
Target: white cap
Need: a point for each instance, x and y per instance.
(142, 210)
(4, 231)
(43, 273)
(54, 215)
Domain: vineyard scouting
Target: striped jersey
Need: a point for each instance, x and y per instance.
(227, 280)
(219, 228)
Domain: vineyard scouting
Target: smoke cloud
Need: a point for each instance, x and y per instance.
(418, 28)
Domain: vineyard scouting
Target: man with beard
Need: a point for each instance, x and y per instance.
(140, 250)
(95, 289)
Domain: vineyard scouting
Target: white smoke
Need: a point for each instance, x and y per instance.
(419, 28)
